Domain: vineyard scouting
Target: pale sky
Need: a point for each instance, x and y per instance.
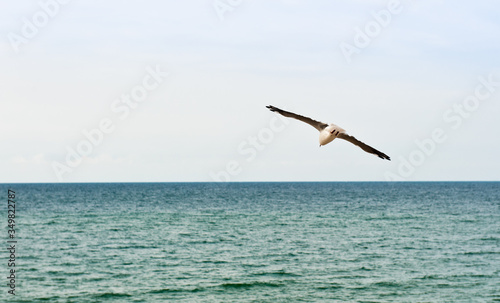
(418, 80)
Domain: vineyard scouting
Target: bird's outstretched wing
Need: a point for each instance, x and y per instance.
(363, 146)
(316, 124)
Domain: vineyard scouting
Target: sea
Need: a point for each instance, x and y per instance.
(253, 242)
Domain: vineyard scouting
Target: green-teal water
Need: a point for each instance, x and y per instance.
(256, 242)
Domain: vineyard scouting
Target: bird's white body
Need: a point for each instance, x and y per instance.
(329, 133)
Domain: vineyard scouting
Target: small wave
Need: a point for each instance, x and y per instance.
(429, 277)
(490, 239)
(31, 258)
(110, 295)
(94, 279)
(195, 242)
(166, 291)
(472, 276)
(69, 264)
(74, 274)
(125, 247)
(213, 262)
(121, 275)
(176, 290)
(481, 253)
(330, 286)
(279, 273)
(386, 284)
(249, 285)
(49, 299)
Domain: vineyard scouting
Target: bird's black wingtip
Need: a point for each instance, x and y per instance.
(384, 157)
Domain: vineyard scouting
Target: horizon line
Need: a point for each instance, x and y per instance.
(233, 182)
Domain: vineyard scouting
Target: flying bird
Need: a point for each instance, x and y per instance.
(327, 133)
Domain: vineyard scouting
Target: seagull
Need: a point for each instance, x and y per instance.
(327, 133)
